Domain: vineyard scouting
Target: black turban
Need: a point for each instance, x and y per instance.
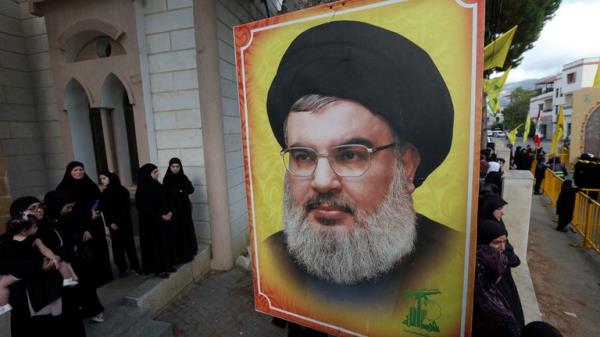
(385, 72)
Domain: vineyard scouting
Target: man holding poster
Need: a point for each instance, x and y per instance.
(361, 117)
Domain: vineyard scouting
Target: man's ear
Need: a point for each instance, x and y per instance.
(411, 159)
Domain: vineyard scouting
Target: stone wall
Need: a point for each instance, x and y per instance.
(4, 194)
(229, 14)
(28, 128)
(169, 32)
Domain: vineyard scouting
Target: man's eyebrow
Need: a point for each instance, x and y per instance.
(355, 140)
(358, 140)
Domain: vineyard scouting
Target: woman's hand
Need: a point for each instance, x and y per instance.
(47, 264)
(113, 226)
(168, 216)
(87, 236)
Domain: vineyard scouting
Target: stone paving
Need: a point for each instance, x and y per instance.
(221, 305)
(566, 279)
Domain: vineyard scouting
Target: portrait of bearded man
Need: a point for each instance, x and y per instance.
(349, 106)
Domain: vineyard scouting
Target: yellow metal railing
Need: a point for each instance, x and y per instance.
(551, 186)
(593, 193)
(586, 221)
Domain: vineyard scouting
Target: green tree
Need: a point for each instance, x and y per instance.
(518, 108)
(502, 15)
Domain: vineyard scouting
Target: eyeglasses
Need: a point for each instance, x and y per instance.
(348, 160)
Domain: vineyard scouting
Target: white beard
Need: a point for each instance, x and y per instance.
(370, 248)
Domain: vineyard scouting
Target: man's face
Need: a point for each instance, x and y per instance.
(349, 229)
(340, 123)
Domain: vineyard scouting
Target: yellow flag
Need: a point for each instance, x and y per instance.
(558, 131)
(494, 54)
(527, 127)
(512, 135)
(597, 78)
(492, 88)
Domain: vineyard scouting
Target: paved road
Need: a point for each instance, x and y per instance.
(221, 305)
(566, 279)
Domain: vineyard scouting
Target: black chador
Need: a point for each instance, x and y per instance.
(116, 207)
(87, 198)
(178, 188)
(155, 236)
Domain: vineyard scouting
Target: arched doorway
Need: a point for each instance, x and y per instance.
(591, 141)
(118, 130)
(103, 137)
(77, 107)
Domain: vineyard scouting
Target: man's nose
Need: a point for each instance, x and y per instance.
(325, 179)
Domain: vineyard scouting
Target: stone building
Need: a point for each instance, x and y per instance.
(118, 83)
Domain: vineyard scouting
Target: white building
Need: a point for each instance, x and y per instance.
(557, 91)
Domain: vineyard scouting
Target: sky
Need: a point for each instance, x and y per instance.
(573, 33)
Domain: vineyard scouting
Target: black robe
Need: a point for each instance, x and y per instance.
(565, 206)
(178, 188)
(36, 286)
(87, 197)
(156, 242)
(488, 229)
(116, 207)
(53, 235)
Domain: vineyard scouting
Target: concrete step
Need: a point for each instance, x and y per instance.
(155, 293)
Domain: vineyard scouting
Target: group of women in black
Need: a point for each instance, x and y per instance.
(71, 223)
(167, 235)
(497, 310)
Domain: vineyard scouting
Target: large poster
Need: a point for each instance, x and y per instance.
(360, 123)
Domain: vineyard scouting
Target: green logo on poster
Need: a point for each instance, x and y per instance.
(420, 314)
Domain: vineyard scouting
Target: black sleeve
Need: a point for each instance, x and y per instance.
(513, 259)
(189, 188)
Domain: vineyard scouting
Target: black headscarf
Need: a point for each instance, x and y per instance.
(150, 193)
(488, 204)
(19, 205)
(540, 329)
(144, 175)
(172, 178)
(114, 183)
(84, 190)
(488, 231)
(55, 201)
(492, 314)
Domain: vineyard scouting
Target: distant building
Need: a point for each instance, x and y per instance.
(556, 91)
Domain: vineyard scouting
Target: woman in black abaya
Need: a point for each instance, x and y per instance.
(116, 207)
(155, 218)
(178, 188)
(86, 213)
(40, 285)
(490, 212)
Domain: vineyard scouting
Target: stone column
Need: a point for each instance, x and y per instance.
(207, 58)
(517, 191)
(5, 199)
